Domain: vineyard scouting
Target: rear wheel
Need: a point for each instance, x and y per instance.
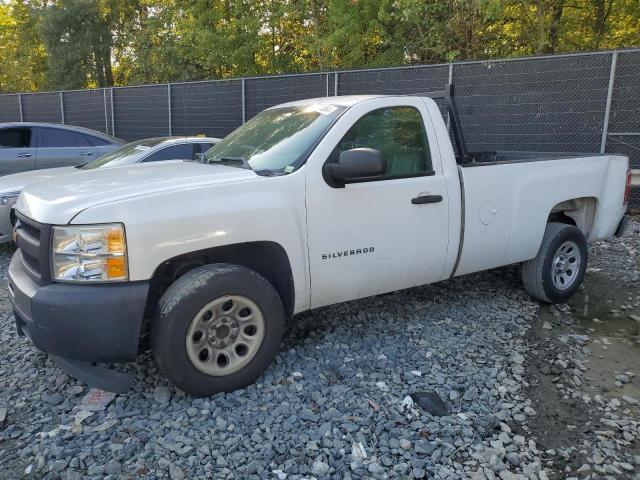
(216, 329)
(558, 270)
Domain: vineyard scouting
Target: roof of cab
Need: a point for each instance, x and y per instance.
(341, 100)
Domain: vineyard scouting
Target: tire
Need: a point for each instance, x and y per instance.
(563, 247)
(200, 321)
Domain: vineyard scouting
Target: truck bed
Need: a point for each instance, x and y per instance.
(508, 202)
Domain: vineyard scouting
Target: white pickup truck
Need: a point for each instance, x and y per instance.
(309, 203)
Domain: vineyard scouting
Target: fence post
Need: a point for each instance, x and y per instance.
(106, 117)
(113, 117)
(169, 106)
(244, 104)
(450, 82)
(327, 82)
(20, 107)
(61, 108)
(607, 110)
(335, 84)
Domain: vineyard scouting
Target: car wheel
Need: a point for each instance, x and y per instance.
(559, 268)
(216, 329)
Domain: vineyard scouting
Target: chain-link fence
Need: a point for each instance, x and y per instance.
(564, 103)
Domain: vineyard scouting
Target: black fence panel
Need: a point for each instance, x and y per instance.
(395, 81)
(9, 108)
(209, 108)
(625, 103)
(87, 108)
(265, 92)
(141, 112)
(41, 107)
(547, 104)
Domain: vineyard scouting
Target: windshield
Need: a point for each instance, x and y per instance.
(275, 141)
(125, 155)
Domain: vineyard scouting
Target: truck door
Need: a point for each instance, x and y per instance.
(386, 233)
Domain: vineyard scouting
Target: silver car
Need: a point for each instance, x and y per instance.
(32, 146)
(149, 150)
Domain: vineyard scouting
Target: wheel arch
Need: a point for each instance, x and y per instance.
(579, 212)
(267, 258)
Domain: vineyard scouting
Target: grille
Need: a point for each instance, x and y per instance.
(32, 238)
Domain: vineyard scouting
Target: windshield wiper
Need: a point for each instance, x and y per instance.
(269, 173)
(232, 161)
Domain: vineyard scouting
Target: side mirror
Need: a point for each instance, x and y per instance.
(355, 164)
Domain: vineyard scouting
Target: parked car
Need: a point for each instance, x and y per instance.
(31, 146)
(308, 204)
(147, 150)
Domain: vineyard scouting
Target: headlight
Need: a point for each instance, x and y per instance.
(95, 253)
(9, 198)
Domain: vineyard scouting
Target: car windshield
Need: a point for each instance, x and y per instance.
(277, 140)
(125, 155)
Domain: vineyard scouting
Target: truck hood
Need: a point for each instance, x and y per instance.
(57, 200)
(17, 181)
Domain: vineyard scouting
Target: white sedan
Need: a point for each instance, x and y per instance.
(148, 150)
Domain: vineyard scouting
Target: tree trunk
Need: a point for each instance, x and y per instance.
(105, 50)
(108, 70)
(542, 34)
(99, 68)
(315, 15)
(602, 10)
(554, 29)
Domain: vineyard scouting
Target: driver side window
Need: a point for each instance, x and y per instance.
(398, 133)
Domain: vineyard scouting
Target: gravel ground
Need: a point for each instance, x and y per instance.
(619, 258)
(336, 402)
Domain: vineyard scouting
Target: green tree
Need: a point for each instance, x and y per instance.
(22, 54)
(82, 38)
(84, 43)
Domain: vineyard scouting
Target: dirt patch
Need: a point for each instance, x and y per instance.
(584, 360)
(560, 420)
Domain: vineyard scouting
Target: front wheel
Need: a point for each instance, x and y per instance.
(559, 268)
(216, 329)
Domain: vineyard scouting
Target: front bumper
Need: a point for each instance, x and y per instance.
(78, 324)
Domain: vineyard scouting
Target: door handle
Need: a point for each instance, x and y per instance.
(426, 199)
(24, 155)
(86, 154)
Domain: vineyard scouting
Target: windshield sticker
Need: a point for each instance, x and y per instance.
(142, 148)
(324, 109)
(289, 169)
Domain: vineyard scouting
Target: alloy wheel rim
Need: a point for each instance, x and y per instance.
(566, 265)
(225, 335)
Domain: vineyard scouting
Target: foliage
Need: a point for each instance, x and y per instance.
(22, 54)
(80, 43)
(80, 37)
